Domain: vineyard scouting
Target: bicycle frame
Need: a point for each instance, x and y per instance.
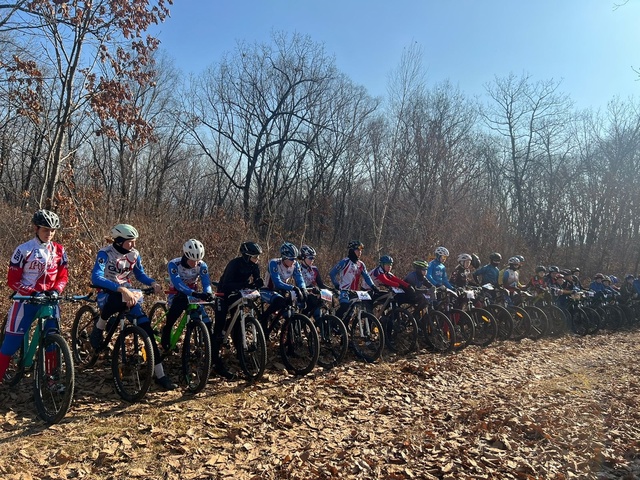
(246, 301)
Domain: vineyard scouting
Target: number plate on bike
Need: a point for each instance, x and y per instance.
(363, 295)
(397, 290)
(250, 294)
(326, 295)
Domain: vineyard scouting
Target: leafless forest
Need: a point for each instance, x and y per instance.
(273, 142)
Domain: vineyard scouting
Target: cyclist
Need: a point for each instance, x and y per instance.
(281, 270)
(184, 273)
(627, 290)
(461, 276)
(112, 274)
(538, 284)
(348, 273)
(241, 272)
(37, 267)
(418, 277)
(550, 277)
(597, 285)
(510, 277)
(381, 275)
(312, 279)
(489, 272)
(437, 272)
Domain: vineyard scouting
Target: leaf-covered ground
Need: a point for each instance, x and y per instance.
(553, 409)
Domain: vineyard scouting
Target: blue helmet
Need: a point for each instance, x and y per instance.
(386, 260)
(288, 251)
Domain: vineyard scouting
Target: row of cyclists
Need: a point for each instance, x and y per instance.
(40, 267)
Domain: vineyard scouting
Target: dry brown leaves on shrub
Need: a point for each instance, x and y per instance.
(553, 409)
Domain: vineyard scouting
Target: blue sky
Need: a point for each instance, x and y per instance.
(588, 44)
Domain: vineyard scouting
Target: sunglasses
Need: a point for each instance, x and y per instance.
(311, 258)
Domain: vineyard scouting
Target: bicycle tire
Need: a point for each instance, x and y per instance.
(366, 336)
(557, 320)
(539, 322)
(54, 379)
(463, 326)
(503, 317)
(439, 332)
(196, 355)
(579, 322)
(486, 327)
(334, 341)
(521, 322)
(401, 335)
(594, 320)
(83, 353)
(253, 357)
(299, 344)
(156, 315)
(132, 363)
(612, 319)
(15, 371)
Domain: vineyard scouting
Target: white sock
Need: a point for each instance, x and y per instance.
(159, 370)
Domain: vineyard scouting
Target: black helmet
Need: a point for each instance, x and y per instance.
(386, 260)
(554, 269)
(541, 268)
(307, 251)
(46, 218)
(495, 257)
(475, 261)
(355, 245)
(250, 249)
(629, 276)
(288, 251)
(420, 264)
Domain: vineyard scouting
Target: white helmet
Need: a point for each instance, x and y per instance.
(193, 249)
(464, 256)
(514, 261)
(125, 231)
(442, 251)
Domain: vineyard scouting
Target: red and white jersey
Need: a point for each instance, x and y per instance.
(37, 267)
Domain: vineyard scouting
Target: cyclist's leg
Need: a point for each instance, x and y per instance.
(344, 304)
(19, 320)
(177, 304)
(109, 303)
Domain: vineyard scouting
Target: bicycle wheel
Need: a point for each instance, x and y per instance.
(196, 355)
(486, 327)
(366, 336)
(503, 317)
(401, 334)
(539, 322)
(439, 332)
(594, 320)
(157, 314)
(580, 322)
(557, 320)
(54, 379)
(132, 363)
(15, 370)
(334, 341)
(252, 349)
(463, 326)
(612, 318)
(83, 354)
(521, 322)
(299, 344)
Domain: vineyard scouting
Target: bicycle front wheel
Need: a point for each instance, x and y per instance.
(486, 327)
(439, 332)
(402, 334)
(503, 317)
(299, 344)
(539, 322)
(132, 363)
(83, 354)
(196, 356)
(521, 323)
(334, 341)
(54, 379)
(367, 336)
(464, 327)
(252, 349)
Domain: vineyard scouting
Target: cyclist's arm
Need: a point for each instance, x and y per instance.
(366, 277)
(14, 275)
(140, 274)
(177, 282)
(278, 284)
(62, 276)
(98, 277)
(204, 278)
(297, 276)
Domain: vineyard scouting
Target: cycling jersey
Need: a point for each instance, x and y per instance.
(416, 279)
(388, 279)
(460, 276)
(38, 267)
(488, 273)
(347, 275)
(311, 276)
(510, 278)
(437, 274)
(278, 275)
(184, 279)
(113, 269)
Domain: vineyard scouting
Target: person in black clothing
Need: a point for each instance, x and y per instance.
(241, 272)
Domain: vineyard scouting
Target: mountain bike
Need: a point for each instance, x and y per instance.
(332, 333)
(400, 326)
(190, 332)
(434, 327)
(485, 324)
(366, 335)
(299, 343)
(539, 326)
(485, 298)
(558, 318)
(520, 317)
(47, 353)
(462, 323)
(132, 360)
